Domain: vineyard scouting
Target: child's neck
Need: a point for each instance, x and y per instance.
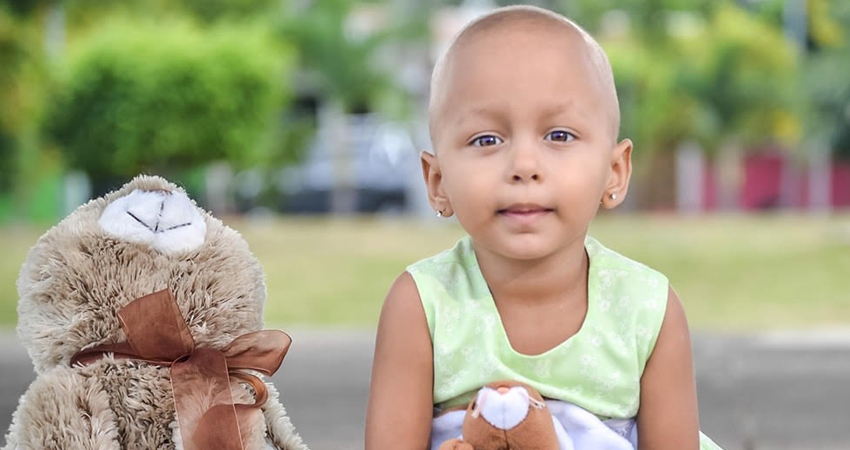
(561, 275)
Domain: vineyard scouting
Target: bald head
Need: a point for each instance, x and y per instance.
(527, 21)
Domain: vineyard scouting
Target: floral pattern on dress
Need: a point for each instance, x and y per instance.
(598, 368)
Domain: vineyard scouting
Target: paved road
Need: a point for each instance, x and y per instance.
(756, 392)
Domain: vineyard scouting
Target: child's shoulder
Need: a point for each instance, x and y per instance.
(604, 259)
(447, 265)
(458, 254)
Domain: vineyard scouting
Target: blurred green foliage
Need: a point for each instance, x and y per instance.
(145, 84)
(825, 76)
(706, 71)
(21, 76)
(117, 88)
(341, 64)
(721, 71)
(137, 97)
(84, 14)
(742, 72)
(213, 10)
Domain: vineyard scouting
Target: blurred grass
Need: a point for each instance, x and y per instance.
(732, 272)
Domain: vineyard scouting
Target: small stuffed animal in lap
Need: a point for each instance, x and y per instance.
(511, 415)
(506, 415)
(142, 315)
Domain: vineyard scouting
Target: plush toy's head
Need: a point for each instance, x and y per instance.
(145, 237)
(509, 415)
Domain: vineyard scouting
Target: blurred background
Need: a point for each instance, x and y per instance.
(299, 122)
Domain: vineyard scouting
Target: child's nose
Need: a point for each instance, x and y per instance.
(525, 165)
(532, 177)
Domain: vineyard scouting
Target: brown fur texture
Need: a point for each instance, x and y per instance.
(535, 432)
(71, 286)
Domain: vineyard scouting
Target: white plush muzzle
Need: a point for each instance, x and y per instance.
(167, 221)
(503, 410)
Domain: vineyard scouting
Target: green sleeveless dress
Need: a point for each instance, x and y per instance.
(598, 368)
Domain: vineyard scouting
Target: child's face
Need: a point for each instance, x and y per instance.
(525, 147)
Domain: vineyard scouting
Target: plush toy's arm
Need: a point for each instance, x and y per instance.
(281, 433)
(63, 409)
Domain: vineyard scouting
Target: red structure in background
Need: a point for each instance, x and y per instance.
(710, 188)
(762, 187)
(770, 180)
(841, 185)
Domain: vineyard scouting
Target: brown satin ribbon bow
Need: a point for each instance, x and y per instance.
(200, 377)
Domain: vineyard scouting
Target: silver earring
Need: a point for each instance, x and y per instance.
(440, 213)
(613, 196)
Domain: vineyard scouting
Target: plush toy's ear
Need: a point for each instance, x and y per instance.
(166, 220)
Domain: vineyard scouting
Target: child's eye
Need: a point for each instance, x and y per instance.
(486, 141)
(560, 136)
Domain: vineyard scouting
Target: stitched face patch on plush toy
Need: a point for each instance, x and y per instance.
(166, 220)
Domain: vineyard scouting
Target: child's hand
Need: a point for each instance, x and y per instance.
(455, 444)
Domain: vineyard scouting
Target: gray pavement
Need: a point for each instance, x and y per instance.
(782, 391)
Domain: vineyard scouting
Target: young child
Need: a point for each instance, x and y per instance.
(524, 122)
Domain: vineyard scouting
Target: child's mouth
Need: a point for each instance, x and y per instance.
(525, 214)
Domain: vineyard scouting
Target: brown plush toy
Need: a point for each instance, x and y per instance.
(143, 317)
(506, 415)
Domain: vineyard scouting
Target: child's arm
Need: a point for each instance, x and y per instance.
(668, 417)
(400, 398)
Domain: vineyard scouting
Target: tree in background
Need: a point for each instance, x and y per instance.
(717, 72)
(21, 71)
(137, 97)
(24, 169)
(342, 66)
(13, 55)
(343, 63)
(825, 79)
(698, 70)
(38, 38)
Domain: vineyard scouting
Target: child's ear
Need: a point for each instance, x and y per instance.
(619, 176)
(434, 182)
